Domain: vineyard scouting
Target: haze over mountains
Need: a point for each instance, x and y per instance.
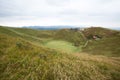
(48, 27)
(61, 27)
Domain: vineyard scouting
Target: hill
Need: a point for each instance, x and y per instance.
(27, 56)
(102, 32)
(81, 40)
(70, 35)
(107, 44)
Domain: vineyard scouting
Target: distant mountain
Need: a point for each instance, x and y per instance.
(116, 28)
(50, 27)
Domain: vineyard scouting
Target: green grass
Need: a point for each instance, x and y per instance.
(23, 57)
(14, 33)
(106, 46)
(72, 36)
(63, 46)
(73, 40)
(21, 60)
(103, 32)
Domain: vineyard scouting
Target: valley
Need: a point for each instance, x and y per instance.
(63, 54)
(63, 46)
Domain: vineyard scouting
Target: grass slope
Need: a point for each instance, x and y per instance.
(70, 35)
(103, 32)
(72, 39)
(14, 33)
(39, 37)
(35, 33)
(108, 45)
(21, 60)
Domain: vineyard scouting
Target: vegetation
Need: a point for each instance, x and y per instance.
(63, 46)
(72, 36)
(27, 56)
(108, 44)
(102, 32)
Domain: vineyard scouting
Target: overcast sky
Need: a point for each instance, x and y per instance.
(104, 13)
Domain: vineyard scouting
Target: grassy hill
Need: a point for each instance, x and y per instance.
(21, 58)
(74, 40)
(102, 32)
(70, 35)
(108, 44)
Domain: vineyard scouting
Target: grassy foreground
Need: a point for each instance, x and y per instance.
(21, 60)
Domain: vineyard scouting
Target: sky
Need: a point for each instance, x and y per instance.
(17, 13)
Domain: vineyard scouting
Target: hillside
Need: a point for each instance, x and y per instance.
(27, 56)
(102, 32)
(79, 40)
(72, 36)
(108, 43)
(107, 46)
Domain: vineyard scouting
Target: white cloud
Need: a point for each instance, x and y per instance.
(60, 12)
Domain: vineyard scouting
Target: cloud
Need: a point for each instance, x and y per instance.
(57, 2)
(60, 12)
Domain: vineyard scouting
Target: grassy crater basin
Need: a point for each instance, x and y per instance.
(63, 46)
